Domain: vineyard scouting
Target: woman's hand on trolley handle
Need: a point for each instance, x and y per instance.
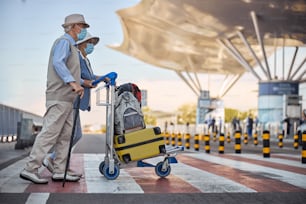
(88, 84)
(77, 88)
(106, 80)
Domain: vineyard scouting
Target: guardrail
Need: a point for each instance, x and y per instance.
(18, 125)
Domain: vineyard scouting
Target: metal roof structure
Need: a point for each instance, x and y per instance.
(227, 37)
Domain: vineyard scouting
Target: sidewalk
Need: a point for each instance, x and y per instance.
(9, 155)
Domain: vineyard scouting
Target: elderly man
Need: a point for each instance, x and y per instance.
(86, 47)
(63, 86)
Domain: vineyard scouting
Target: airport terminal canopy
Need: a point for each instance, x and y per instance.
(208, 36)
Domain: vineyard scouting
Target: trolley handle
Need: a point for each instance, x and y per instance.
(112, 76)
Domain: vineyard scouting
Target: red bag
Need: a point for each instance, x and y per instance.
(133, 88)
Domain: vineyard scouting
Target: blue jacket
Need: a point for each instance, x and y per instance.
(86, 73)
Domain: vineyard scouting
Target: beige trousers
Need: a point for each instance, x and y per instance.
(56, 132)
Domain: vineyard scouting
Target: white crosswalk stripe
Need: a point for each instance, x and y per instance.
(37, 198)
(284, 176)
(274, 160)
(96, 183)
(205, 181)
(9, 178)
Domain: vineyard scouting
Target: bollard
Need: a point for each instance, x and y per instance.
(179, 139)
(196, 144)
(280, 140)
(238, 141)
(245, 136)
(166, 136)
(187, 141)
(173, 136)
(228, 137)
(296, 141)
(266, 144)
(221, 143)
(304, 147)
(207, 145)
(255, 138)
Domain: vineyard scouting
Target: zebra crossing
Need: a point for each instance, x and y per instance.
(195, 172)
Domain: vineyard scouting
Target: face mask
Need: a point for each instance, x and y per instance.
(89, 48)
(82, 34)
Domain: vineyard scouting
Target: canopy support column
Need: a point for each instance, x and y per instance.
(255, 23)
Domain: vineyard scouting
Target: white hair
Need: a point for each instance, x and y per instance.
(68, 28)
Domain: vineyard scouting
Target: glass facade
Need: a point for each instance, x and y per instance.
(270, 108)
(271, 99)
(302, 92)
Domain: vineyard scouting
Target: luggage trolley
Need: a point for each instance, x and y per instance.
(110, 167)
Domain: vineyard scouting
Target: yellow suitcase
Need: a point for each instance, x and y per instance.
(138, 145)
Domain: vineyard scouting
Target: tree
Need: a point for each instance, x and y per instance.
(148, 117)
(187, 114)
(231, 113)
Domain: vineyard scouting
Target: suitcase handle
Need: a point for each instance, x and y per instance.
(112, 76)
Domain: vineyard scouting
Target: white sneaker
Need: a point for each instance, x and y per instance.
(73, 173)
(60, 177)
(26, 175)
(48, 163)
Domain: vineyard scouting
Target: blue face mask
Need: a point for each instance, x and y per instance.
(82, 34)
(89, 48)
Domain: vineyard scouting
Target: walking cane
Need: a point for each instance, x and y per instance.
(76, 115)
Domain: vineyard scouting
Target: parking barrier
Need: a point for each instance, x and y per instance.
(8, 138)
(304, 147)
(196, 144)
(238, 141)
(14, 138)
(187, 140)
(245, 138)
(179, 139)
(296, 141)
(173, 137)
(255, 138)
(166, 137)
(280, 140)
(228, 137)
(221, 143)
(4, 139)
(207, 143)
(266, 143)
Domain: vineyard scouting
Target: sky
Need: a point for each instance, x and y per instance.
(29, 28)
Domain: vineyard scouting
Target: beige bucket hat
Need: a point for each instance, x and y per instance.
(88, 37)
(74, 19)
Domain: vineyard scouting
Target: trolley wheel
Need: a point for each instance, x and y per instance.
(111, 176)
(101, 166)
(159, 170)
